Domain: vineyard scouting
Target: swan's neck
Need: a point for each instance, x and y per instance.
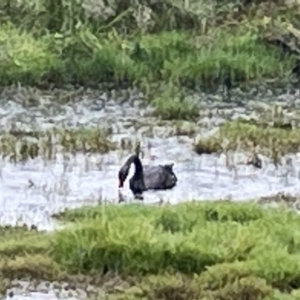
(131, 170)
(138, 167)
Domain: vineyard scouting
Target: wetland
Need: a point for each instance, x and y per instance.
(59, 167)
(211, 87)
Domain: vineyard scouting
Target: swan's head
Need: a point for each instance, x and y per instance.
(169, 167)
(171, 178)
(123, 173)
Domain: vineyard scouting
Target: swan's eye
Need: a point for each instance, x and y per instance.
(174, 177)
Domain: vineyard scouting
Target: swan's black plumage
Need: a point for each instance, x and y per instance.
(159, 177)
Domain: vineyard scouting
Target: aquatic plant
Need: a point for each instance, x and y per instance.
(272, 141)
(22, 145)
(170, 103)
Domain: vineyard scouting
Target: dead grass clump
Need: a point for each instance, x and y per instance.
(208, 146)
(20, 146)
(16, 241)
(280, 198)
(251, 288)
(271, 141)
(39, 266)
(184, 128)
(169, 287)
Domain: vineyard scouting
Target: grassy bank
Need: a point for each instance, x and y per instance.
(190, 251)
(163, 48)
(176, 56)
(196, 44)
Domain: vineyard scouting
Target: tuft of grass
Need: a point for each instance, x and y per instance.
(25, 254)
(23, 57)
(272, 141)
(4, 285)
(22, 145)
(16, 243)
(171, 104)
(181, 287)
(39, 266)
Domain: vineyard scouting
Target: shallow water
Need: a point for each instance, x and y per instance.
(38, 296)
(90, 179)
(64, 183)
(57, 187)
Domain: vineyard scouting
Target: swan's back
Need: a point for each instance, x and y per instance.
(159, 177)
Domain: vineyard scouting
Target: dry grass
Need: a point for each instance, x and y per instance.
(22, 145)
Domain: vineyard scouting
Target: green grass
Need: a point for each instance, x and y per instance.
(159, 63)
(190, 45)
(189, 251)
(207, 250)
(24, 58)
(174, 56)
(272, 140)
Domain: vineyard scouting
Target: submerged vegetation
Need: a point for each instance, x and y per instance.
(191, 251)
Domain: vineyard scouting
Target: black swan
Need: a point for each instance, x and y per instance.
(159, 177)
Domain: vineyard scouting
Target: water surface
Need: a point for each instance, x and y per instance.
(31, 192)
(87, 179)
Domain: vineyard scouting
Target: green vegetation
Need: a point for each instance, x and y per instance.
(274, 141)
(21, 145)
(218, 250)
(148, 44)
(167, 56)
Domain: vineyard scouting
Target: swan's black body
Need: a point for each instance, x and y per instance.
(159, 177)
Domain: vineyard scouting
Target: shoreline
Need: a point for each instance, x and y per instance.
(236, 221)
